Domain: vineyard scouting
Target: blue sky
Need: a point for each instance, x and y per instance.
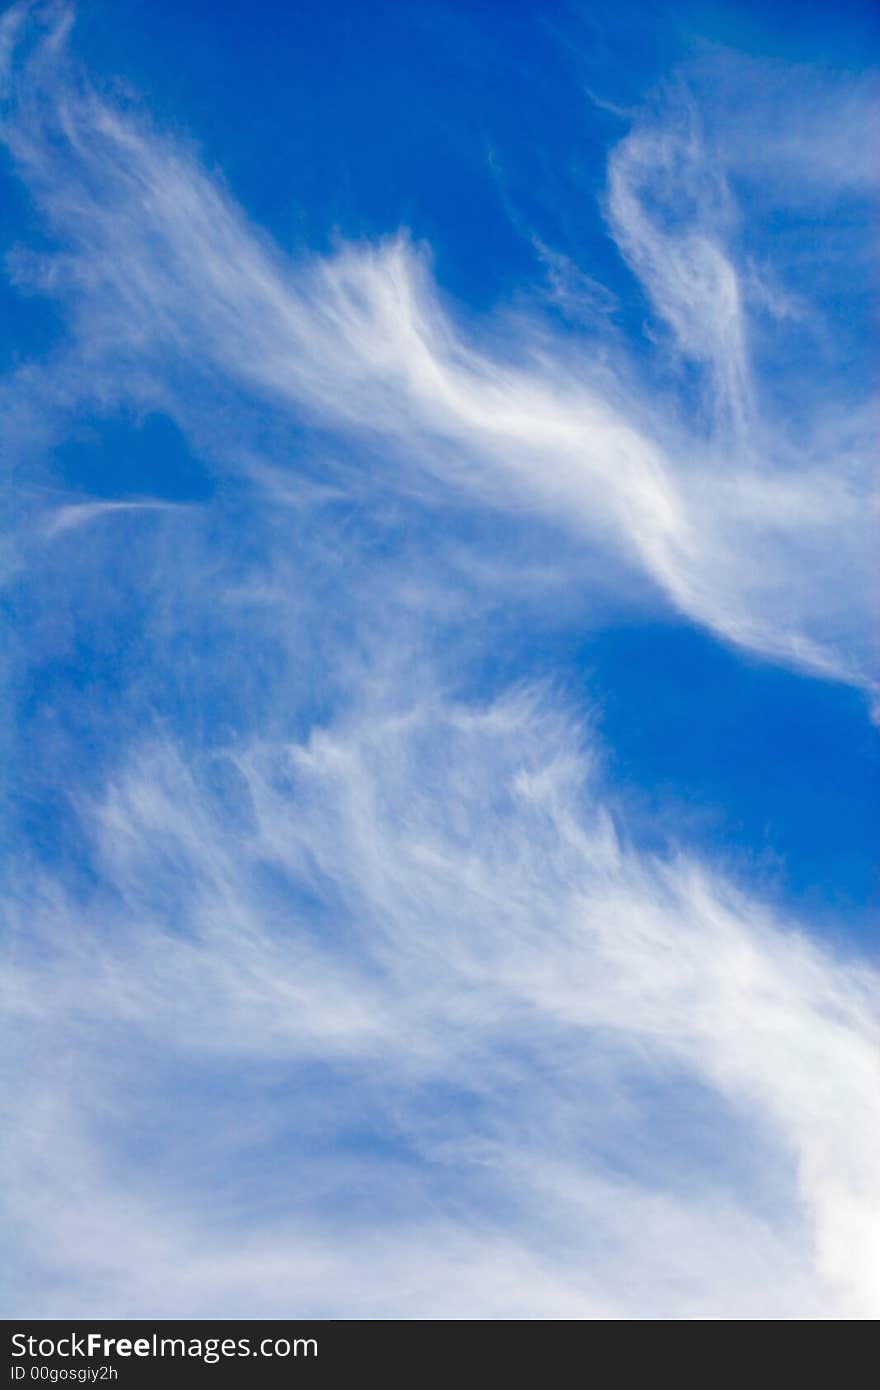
(440, 630)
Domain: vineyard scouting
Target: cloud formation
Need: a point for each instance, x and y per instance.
(164, 277)
(334, 964)
(423, 924)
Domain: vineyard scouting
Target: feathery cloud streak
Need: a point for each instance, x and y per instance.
(159, 266)
(471, 926)
(337, 967)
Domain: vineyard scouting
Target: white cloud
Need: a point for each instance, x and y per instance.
(391, 990)
(523, 1002)
(750, 530)
(71, 515)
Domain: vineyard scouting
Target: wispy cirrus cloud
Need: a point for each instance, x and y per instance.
(336, 964)
(161, 267)
(428, 915)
